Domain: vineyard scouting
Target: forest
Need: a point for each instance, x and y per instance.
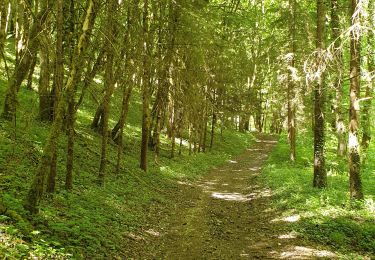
(187, 129)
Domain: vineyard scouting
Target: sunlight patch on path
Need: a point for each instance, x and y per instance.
(300, 252)
(290, 219)
(291, 235)
(153, 233)
(265, 141)
(234, 196)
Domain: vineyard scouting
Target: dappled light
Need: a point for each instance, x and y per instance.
(187, 129)
(290, 219)
(233, 196)
(300, 252)
(288, 236)
(231, 161)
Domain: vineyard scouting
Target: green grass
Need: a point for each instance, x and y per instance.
(327, 216)
(90, 221)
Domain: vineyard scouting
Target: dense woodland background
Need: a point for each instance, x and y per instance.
(106, 104)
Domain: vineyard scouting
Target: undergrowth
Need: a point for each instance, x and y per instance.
(90, 221)
(326, 216)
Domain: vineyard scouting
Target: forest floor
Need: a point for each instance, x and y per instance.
(227, 214)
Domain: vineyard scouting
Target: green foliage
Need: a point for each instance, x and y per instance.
(326, 216)
(90, 221)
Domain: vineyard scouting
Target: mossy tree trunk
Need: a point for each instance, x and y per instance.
(109, 83)
(36, 190)
(22, 66)
(320, 174)
(146, 85)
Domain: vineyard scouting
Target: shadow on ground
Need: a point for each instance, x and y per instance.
(227, 214)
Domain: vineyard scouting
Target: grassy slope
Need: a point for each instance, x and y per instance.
(326, 216)
(90, 221)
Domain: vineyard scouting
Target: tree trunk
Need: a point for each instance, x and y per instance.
(3, 22)
(320, 174)
(58, 82)
(190, 139)
(355, 74)
(89, 77)
(366, 113)
(45, 112)
(70, 122)
(30, 76)
(22, 67)
(108, 84)
(145, 87)
(339, 125)
(291, 84)
(37, 187)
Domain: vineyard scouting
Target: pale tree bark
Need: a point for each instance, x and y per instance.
(320, 174)
(339, 124)
(37, 187)
(355, 74)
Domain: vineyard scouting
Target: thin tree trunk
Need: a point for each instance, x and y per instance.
(22, 67)
(205, 119)
(118, 130)
(145, 87)
(173, 128)
(213, 125)
(70, 122)
(33, 63)
(366, 114)
(339, 125)
(320, 174)
(3, 23)
(37, 187)
(95, 70)
(291, 84)
(355, 74)
(190, 139)
(45, 113)
(108, 85)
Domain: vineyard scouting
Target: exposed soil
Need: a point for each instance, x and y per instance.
(227, 214)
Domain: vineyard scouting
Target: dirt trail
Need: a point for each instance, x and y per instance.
(228, 215)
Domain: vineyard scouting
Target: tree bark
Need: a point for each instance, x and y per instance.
(339, 124)
(37, 187)
(145, 86)
(22, 67)
(366, 113)
(3, 23)
(355, 74)
(291, 84)
(45, 111)
(108, 84)
(320, 174)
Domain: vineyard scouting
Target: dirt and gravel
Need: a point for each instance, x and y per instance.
(227, 214)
